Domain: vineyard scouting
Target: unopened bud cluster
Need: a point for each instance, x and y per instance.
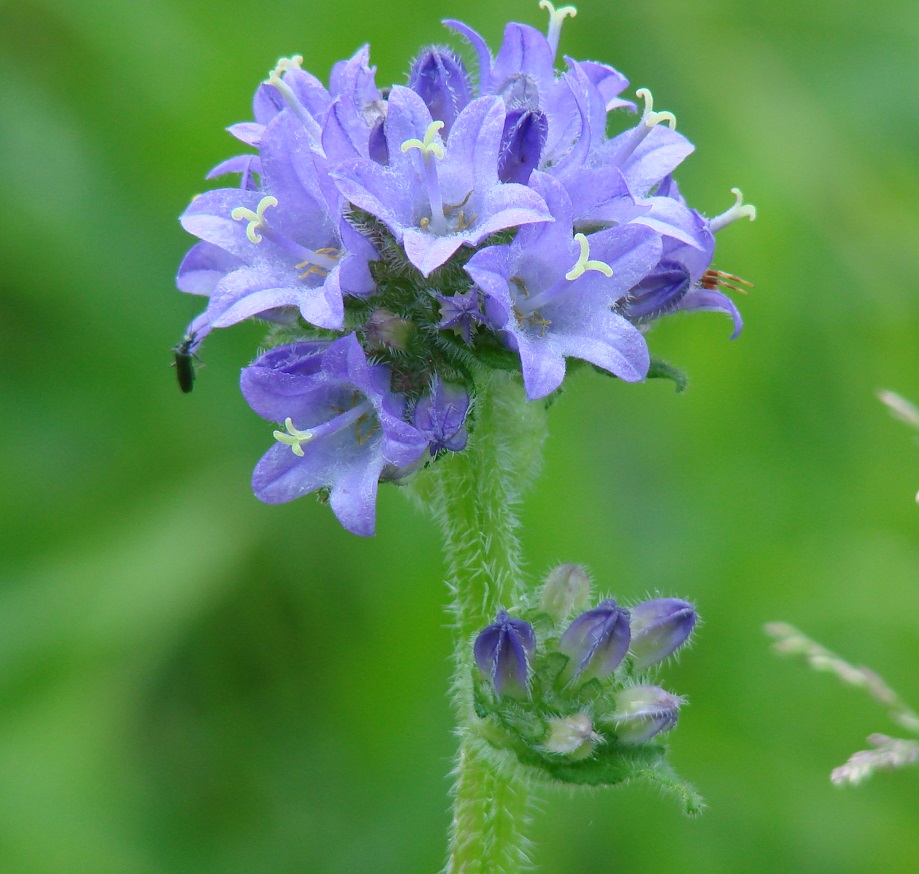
(556, 681)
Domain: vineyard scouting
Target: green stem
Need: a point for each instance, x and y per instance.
(474, 495)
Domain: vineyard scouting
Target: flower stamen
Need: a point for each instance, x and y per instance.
(649, 117)
(461, 204)
(320, 263)
(294, 438)
(583, 264)
(521, 285)
(556, 17)
(365, 428)
(715, 279)
(256, 219)
(737, 211)
(462, 222)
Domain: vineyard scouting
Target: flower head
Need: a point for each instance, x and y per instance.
(406, 242)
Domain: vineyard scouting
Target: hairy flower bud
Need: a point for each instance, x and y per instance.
(573, 736)
(597, 641)
(567, 588)
(440, 78)
(644, 711)
(525, 133)
(386, 329)
(502, 652)
(659, 627)
(440, 416)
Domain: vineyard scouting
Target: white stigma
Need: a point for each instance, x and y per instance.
(427, 146)
(256, 219)
(285, 65)
(294, 438)
(737, 211)
(583, 264)
(649, 116)
(556, 17)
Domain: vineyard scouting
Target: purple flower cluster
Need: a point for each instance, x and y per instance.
(399, 239)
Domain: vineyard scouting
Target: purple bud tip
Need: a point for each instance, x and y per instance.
(377, 146)
(659, 628)
(440, 78)
(502, 652)
(597, 641)
(644, 711)
(525, 133)
(440, 416)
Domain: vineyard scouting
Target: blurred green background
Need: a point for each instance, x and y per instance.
(192, 681)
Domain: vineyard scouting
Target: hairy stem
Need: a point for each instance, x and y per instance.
(474, 495)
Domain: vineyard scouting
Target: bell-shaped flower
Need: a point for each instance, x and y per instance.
(643, 712)
(284, 249)
(596, 642)
(551, 294)
(342, 424)
(436, 195)
(502, 653)
(683, 279)
(333, 118)
(659, 627)
(523, 74)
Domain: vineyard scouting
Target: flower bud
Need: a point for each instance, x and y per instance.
(524, 137)
(567, 588)
(441, 415)
(573, 736)
(440, 78)
(644, 711)
(502, 653)
(385, 330)
(597, 641)
(659, 628)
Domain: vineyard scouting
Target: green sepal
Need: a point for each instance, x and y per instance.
(514, 730)
(611, 764)
(660, 369)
